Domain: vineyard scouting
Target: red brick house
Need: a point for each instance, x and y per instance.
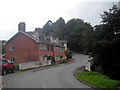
(32, 46)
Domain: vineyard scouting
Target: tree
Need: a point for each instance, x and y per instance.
(78, 34)
(47, 28)
(106, 48)
(111, 23)
(59, 28)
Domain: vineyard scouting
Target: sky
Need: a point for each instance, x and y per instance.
(35, 13)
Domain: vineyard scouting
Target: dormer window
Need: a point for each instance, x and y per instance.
(11, 48)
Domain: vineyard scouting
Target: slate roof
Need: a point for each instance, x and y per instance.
(29, 34)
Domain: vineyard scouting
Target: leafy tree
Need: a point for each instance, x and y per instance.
(48, 27)
(78, 33)
(59, 28)
(111, 23)
(106, 48)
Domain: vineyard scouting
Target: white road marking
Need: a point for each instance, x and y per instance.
(8, 82)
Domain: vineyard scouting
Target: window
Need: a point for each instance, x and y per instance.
(54, 48)
(40, 46)
(57, 49)
(60, 49)
(11, 48)
(44, 47)
(48, 47)
(51, 48)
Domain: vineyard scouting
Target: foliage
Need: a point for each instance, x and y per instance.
(106, 55)
(59, 28)
(106, 50)
(2, 47)
(68, 54)
(98, 80)
(102, 40)
(47, 28)
(111, 23)
(63, 60)
(78, 35)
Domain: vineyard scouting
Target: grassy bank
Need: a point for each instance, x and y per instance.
(19, 71)
(98, 80)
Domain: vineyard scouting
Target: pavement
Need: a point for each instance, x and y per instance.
(57, 76)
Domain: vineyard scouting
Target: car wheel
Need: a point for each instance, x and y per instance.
(4, 71)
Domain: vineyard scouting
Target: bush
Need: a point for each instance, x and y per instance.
(16, 67)
(63, 60)
(68, 54)
(106, 55)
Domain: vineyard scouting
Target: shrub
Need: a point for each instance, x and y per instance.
(106, 55)
(16, 67)
(68, 54)
(63, 60)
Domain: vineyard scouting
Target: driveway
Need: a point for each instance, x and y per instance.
(60, 76)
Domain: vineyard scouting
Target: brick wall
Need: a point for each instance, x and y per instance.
(25, 49)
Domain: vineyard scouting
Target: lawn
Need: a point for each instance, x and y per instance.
(19, 71)
(98, 80)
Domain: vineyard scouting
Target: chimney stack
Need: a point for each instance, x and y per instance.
(21, 26)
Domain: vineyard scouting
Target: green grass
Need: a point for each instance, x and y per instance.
(19, 71)
(98, 80)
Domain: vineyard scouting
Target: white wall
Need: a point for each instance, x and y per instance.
(34, 64)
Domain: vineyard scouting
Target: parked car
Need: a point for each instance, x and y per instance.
(6, 65)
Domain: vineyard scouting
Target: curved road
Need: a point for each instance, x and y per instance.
(55, 77)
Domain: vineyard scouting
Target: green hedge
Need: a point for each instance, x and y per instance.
(106, 55)
(63, 60)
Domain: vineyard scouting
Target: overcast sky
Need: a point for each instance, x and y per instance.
(35, 13)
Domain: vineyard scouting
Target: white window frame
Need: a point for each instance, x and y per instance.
(57, 49)
(54, 48)
(44, 46)
(41, 47)
(60, 49)
(11, 48)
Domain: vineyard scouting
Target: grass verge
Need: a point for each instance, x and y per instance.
(19, 71)
(98, 80)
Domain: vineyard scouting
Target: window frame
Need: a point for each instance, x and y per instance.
(60, 49)
(45, 47)
(11, 48)
(48, 47)
(41, 47)
(57, 49)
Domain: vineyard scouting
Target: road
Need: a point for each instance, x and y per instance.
(54, 77)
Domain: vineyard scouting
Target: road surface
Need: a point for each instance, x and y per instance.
(54, 77)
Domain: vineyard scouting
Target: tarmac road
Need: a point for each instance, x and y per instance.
(53, 77)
